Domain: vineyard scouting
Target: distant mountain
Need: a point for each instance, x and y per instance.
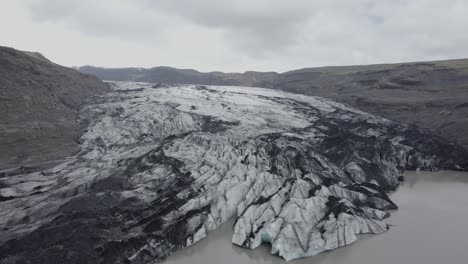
(187, 76)
(432, 95)
(39, 102)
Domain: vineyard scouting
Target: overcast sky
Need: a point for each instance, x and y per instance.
(236, 35)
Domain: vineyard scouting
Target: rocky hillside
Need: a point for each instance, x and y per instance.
(39, 102)
(432, 95)
(187, 76)
(161, 167)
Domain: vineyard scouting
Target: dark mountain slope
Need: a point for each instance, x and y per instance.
(39, 102)
(432, 95)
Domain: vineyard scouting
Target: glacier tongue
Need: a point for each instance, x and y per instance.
(161, 167)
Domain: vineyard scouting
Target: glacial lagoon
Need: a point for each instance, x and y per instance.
(429, 227)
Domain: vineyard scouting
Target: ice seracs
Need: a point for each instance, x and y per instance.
(160, 167)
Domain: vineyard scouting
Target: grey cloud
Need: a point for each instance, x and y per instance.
(258, 24)
(282, 34)
(116, 18)
(261, 27)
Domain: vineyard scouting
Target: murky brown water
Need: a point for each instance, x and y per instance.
(431, 226)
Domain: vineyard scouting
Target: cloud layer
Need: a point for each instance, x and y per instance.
(241, 35)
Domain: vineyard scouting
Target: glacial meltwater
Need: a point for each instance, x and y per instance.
(429, 227)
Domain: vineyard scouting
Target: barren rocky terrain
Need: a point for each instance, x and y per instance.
(432, 95)
(39, 102)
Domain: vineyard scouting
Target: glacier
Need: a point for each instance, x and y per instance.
(160, 166)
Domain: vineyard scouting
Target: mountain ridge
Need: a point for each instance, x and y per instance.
(175, 75)
(373, 65)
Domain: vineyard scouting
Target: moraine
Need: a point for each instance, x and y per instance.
(160, 167)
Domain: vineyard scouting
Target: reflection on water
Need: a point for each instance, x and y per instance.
(429, 227)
